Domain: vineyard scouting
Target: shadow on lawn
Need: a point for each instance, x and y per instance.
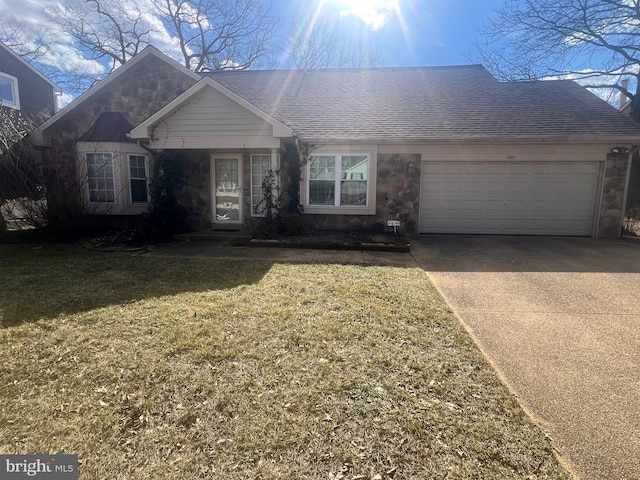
(44, 281)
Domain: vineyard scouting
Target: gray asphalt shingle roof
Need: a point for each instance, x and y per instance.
(108, 127)
(425, 103)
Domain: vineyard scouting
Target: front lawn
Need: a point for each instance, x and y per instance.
(182, 368)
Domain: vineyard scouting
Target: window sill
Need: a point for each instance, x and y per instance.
(14, 106)
(318, 210)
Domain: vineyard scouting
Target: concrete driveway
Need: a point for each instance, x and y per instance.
(560, 320)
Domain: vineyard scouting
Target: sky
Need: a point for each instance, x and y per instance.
(404, 32)
(417, 32)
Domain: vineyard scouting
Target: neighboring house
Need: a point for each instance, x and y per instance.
(24, 88)
(441, 149)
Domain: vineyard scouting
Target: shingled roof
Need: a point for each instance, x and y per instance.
(108, 127)
(457, 103)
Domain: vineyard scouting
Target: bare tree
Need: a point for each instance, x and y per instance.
(104, 34)
(594, 41)
(219, 34)
(21, 180)
(324, 41)
(110, 29)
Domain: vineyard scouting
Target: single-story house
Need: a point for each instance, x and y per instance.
(440, 149)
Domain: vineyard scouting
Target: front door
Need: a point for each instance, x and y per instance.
(226, 181)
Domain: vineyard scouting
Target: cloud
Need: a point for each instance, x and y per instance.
(373, 14)
(29, 11)
(64, 100)
(68, 58)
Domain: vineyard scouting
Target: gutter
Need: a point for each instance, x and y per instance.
(590, 140)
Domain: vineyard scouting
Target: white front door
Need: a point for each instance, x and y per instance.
(226, 182)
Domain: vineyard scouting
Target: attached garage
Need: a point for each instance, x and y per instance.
(509, 197)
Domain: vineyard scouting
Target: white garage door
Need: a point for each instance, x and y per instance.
(532, 198)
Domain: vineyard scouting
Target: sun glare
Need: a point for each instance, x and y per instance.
(373, 12)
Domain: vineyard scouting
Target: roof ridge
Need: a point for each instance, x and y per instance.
(350, 69)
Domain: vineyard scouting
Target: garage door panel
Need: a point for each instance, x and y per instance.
(533, 198)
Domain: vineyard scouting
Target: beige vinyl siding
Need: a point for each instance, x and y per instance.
(212, 115)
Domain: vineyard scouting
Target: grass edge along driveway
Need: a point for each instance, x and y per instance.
(176, 368)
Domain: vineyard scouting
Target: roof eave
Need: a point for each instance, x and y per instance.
(587, 139)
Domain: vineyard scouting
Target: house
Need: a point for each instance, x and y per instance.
(440, 149)
(24, 88)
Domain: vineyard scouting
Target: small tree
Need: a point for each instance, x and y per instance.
(21, 179)
(281, 209)
(269, 206)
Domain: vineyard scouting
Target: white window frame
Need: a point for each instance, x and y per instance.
(120, 152)
(14, 90)
(130, 178)
(370, 151)
(113, 178)
(256, 199)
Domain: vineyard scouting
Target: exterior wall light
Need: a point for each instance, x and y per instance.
(619, 150)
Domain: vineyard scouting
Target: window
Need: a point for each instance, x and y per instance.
(260, 166)
(138, 178)
(116, 175)
(100, 177)
(339, 180)
(9, 91)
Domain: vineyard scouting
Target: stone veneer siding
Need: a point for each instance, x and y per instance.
(139, 93)
(195, 191)
(613, 196)
(397, 198)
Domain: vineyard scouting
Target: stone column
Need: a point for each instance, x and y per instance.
(614, 189)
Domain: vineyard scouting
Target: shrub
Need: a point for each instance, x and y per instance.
(166, 216)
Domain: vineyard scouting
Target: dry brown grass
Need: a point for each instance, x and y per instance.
(161, 368)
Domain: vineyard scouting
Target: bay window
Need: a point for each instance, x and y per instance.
(114, 177)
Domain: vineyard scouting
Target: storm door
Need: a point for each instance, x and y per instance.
(226, 180)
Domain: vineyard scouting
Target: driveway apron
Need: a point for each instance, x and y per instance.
(559, 319)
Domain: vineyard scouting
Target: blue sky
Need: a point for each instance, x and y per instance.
(405, 32)
(412, 32)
